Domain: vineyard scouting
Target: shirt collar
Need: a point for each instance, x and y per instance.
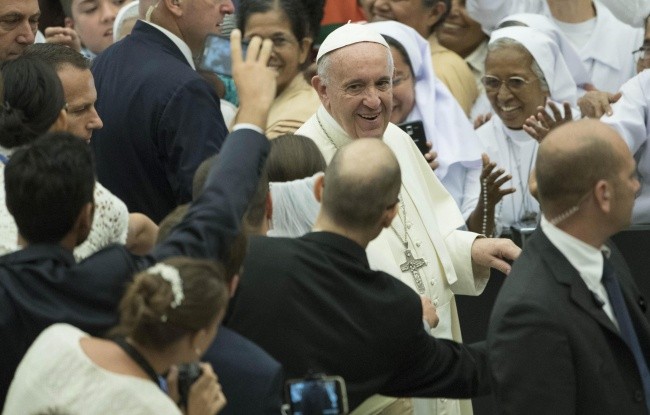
(182, 46)
(476, 59)
(586, 259)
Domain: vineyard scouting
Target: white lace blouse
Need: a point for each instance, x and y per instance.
(110, 222)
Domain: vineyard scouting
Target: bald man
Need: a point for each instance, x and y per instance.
(563, 339)
(314, 304)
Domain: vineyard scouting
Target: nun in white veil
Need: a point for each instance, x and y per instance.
(524, 70)
(445, 124)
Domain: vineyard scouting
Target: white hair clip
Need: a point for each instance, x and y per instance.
(173, 277)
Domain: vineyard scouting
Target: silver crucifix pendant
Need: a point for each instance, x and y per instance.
(412, 265)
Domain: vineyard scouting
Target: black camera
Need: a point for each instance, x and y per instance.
(188, 373)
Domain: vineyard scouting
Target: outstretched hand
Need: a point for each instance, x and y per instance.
(595, 104)
(494, 179)
(495, 253)
(538, 126)
(256, 82)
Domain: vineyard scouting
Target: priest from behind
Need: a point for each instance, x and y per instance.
(316, 306)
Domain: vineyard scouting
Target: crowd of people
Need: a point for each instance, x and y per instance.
(175, 240)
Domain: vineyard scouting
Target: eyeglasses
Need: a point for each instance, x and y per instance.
(643, 53)
(514, 83)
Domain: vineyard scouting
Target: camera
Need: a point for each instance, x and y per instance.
(188, 373)
(317, 395)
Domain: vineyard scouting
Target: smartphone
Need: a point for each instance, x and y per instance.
(216, 56)
(415, 129)
(317, 395)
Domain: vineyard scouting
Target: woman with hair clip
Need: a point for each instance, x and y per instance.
(287, 24)
(33, 104)
(169, 315)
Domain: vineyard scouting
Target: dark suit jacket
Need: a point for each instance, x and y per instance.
(251, 379)
(42, 285)
(161, 120)
(553, 350)
(314, 304)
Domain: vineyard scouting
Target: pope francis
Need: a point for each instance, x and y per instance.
(424, 246)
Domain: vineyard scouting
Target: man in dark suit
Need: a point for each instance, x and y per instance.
(314, 304)
(568, 334)
(161, 118)
(49, 190)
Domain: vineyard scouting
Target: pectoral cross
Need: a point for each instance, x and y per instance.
(412, 265)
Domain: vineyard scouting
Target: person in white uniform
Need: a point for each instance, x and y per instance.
(630, 118)
(524, 68)
(423, 247)
(604, 43)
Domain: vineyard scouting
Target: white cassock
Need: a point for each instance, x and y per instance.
(608, 53)
(432, 221)
(631, 118)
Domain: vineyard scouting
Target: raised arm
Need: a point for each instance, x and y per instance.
(213, 221)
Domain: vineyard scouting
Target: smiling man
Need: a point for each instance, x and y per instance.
(423, 247)
(18, 25)
(161, 118)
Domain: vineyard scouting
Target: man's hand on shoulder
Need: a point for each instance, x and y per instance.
(256, 82)
(494, 253)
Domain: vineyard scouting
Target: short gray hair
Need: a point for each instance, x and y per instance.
(506, 42)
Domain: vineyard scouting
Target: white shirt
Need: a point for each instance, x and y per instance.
(631, 118)
(515, 152)
(185, 50)
(586, 259)
(57, 374)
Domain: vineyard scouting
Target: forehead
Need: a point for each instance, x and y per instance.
(509, 58)
(361, 60)
(272, 17)
(76, 82)
(24, 7)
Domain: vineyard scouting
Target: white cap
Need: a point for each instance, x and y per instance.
(347, 35)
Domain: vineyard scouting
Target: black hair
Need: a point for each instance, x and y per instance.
(400, 48)
(304, 15)
(47, 184)
(57, 55)
(33, 100)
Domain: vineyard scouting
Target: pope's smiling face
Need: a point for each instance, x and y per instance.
(357, 89)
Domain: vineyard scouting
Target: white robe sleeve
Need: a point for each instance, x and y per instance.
(632, 12)
(630, 113)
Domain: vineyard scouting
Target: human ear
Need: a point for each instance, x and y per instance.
(321, 89)
(305, 47)
(436, 12)
(319, 186)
